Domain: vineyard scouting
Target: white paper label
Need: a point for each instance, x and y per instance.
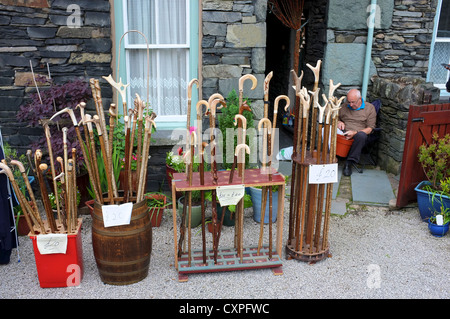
(230, 194)
(439, 220)
(116, 215)
(52, 244)
(323, 173)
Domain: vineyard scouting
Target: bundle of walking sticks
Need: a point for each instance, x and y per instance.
(138, 127)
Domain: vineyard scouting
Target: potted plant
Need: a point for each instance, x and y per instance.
(229, 218)
(196, 210)
(438, 223)
(226, 121)
(156, 202)
(256, 196)
(435, 161)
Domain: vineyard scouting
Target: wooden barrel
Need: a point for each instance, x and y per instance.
(122, 253)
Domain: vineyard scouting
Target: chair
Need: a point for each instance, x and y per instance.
(371, 146)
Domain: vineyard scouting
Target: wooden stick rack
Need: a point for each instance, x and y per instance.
(231, 258)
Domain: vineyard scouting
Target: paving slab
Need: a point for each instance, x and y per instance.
(371, 187)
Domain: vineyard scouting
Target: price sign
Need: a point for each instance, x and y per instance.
(323, 174)
(51, 244)
(116, 215)
(230, 194)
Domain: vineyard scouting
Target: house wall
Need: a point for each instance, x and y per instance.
(401, 43)
(234, 44)
(75, 44)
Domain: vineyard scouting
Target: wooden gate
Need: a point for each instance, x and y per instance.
(423, 121)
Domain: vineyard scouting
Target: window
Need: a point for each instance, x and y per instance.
(171, 29)
(440, 48)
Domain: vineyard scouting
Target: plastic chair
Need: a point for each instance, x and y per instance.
(371, 146)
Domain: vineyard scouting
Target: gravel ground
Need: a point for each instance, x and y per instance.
(377, 253)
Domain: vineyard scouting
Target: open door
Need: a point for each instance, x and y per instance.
(423, 121)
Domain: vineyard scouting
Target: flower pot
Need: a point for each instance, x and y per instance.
(437, 230)
(426, 207)
(196, 213)
(228, 219)
(22, 226)
(343, 145)
(156, 213)
(90, 205)
(256, 194)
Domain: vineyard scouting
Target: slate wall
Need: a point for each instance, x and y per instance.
(401, 44)
(74, 44)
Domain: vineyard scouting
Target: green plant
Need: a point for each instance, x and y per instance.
(435, 160)
(445, 212)
(226, 121)
(155, 201)
(176, 162)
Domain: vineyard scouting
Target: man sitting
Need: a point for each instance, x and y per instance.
(357, 120)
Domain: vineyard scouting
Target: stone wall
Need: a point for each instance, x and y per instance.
(74, 43)
(396, 96)
(401, 44)
(233, 44)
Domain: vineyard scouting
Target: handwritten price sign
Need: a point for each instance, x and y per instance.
(116, 215)
(52, 244)
(230, 195)
(323, 174)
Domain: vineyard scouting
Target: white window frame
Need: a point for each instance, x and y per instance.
(171, 120)
(435, 40)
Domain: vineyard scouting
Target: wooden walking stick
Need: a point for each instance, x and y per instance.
(80, 141)
(96, 182)
(96, 121)
(201, 146)
(121, 88)
(242, 79)
(316, 71)
(23, 203)
(33, 208)
(332, 155)
(241, 139)
(52, 167)
(305, 103)
(62, 177)
(44, 194)
(265, 189)
(139, 105)
(149, 123)
(189, 93)
(293, 203)
(266, 94)
(240, 205)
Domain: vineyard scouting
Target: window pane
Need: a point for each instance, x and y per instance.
(444, 20)
(162, 21)
(168, 95)
(441, 54)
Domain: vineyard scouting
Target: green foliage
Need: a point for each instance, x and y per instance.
(226, 121)
(435, 160)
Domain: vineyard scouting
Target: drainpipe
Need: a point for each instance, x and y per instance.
(371, 25)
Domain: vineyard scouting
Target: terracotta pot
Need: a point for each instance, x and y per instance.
(156, 213)
(343, 146)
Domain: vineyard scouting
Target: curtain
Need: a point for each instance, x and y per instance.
(165, 24)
